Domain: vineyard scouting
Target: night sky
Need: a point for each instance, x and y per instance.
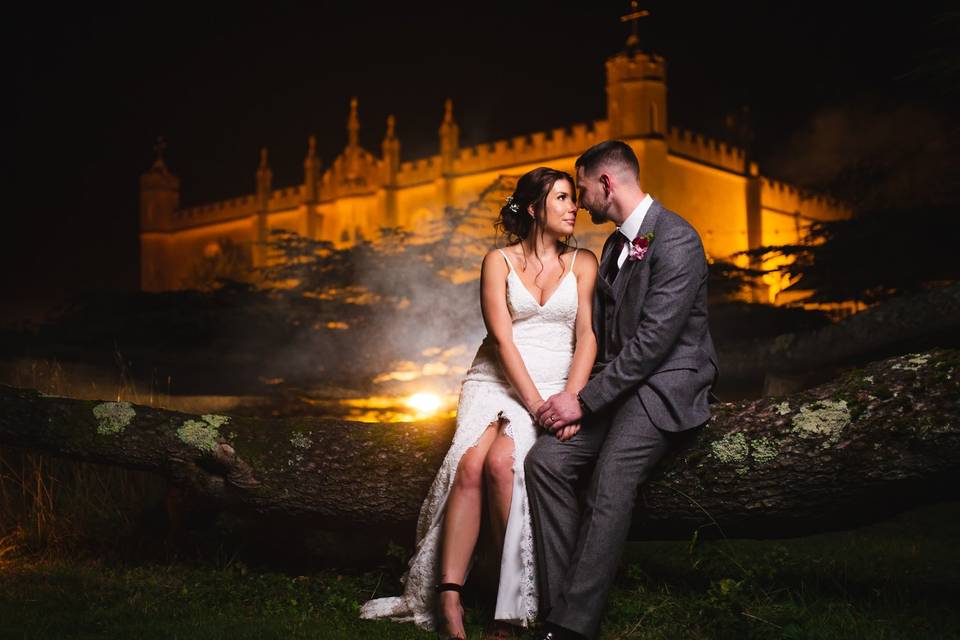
(93, 90)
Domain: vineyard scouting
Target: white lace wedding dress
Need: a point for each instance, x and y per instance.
(544, 335)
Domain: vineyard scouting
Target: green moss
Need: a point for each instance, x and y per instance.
(113, 417)
(824, 419)
(783, 408)
(735, 449)
(214, 420)
(912, 362)
(202, 434)
(762, 450)
(732, 448)
(300, 440)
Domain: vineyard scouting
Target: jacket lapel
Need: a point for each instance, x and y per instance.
(632, 267)
(603, 296)
(606, 259)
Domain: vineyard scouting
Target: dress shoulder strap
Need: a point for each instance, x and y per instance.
(572, 262)
(509, 262)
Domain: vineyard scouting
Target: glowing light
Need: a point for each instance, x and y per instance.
(402, 376)
(395, 408)
(435, 369)
(424, 403)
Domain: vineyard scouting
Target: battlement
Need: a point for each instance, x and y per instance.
(785, 198)
(541, 146)
(639, 66)
(286, 198)
(225, 209)
(280, 200)
(694, 145)
(530, 149)
(421, 170)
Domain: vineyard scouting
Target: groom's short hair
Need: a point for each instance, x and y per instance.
(612, 154)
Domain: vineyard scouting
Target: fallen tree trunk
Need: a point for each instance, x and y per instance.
(901, 324)
(849, 451)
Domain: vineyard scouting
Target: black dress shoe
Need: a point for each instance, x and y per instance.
(556, 632)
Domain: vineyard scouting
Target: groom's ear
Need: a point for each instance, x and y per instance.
(604, 180)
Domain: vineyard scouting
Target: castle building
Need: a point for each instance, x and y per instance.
(714, 186)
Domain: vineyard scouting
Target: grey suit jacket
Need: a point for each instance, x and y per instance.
(651, 326)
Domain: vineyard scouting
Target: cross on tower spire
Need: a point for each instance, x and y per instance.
(633, 40)
(159, 148)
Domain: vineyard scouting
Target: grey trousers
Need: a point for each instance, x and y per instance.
(578, 554)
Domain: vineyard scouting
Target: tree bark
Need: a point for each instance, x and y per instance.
(874, 440)
(904, 323)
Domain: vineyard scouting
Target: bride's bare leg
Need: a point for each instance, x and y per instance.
(461, 527)
(498, 471)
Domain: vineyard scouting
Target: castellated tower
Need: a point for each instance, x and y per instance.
(637, 111)
(637, 95)
(159, 194)
(159, 203)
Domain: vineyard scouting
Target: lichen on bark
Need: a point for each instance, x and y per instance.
(113, 417)
(822, 419)
(202, 434)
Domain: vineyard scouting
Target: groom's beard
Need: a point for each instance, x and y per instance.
(598, 211)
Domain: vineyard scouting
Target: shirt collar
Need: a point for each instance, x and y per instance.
(631, 226)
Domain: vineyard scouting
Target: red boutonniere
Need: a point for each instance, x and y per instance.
(638, 248)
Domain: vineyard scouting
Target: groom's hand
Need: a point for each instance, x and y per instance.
(558, 411)
(565, 433)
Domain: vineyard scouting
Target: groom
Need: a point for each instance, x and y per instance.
(655, 368)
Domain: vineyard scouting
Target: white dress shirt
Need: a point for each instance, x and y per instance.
(631, 227)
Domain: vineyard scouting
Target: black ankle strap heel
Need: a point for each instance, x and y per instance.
(447, 586)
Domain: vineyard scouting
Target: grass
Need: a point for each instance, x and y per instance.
(68, 600)
(896, 579)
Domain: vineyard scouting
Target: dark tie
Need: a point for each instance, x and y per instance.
(614, 266)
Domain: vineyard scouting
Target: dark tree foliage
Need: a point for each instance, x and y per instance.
(872, 256)
(728, 282)
(734, 319)
(232, 262)
(402, 268)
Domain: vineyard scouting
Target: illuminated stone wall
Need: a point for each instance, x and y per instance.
(709, 183)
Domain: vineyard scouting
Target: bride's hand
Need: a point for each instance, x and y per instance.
(534, 406)
(567, 432)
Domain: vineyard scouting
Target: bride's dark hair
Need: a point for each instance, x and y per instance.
(533, 187)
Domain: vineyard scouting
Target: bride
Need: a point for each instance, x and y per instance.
(536, 299)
